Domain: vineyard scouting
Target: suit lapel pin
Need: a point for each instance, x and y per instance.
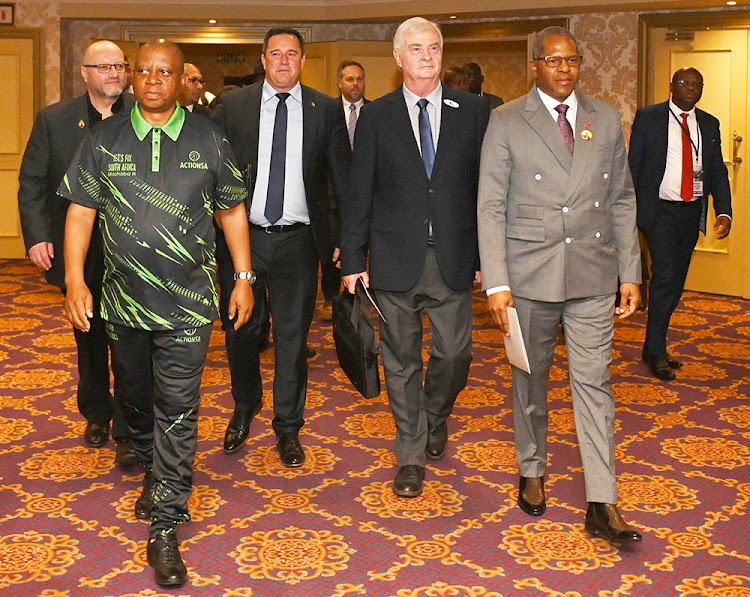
(81, 124)
(586, 133)
(450, 103)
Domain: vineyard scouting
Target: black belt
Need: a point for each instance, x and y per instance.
(278, 229)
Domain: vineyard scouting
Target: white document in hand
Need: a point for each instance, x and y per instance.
(514, 346)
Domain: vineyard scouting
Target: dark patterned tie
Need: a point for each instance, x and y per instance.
(564, 125)
(276, 173)
(425, 137)
(352, 123)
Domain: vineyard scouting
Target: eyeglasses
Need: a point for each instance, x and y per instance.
(690, 84)
(197, 81)
(555, 61)
(104, 69)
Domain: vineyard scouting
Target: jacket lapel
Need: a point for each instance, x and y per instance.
(255, 93)
(541, 121)
(309, 122)
(402, 125)
(448, 126)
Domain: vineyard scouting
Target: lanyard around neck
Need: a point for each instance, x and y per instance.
(686, 130)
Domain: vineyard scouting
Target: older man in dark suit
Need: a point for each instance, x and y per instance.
(676, 163)
(413, 203)
(57, 134)
(287, 169)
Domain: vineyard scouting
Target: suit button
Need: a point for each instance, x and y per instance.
(568, 240)
(598, 235)
(606, 176)
(431, 191)
(596, 204)
(538, 177)
(565, 210)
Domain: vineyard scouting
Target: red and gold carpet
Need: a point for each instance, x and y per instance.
(334, 528)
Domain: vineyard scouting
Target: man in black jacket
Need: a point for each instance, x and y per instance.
(57, 133)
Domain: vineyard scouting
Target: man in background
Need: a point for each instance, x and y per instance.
(289, 139)
(192, 90)
(676, 163)
(412, 210)
(476, 80)
(57, 134)
(456, 78)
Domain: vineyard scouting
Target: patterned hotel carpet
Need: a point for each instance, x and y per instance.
(333, 527)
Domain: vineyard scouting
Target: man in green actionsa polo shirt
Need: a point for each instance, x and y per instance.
(157, 177)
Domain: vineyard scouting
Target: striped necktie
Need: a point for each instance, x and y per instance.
(352, 123)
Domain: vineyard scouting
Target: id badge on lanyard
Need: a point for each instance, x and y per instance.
(697, 180)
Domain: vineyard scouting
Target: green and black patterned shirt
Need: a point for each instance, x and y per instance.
(156, 189)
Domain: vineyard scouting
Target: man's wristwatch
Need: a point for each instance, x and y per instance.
(249, 276)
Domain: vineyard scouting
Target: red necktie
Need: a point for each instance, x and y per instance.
(686, 188)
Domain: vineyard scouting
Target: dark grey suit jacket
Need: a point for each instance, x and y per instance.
(392, 201)
(58, 131)
(648, 161)
(325, 148)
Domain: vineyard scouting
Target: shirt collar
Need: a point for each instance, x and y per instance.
(434, 97)
(550, 102)
(142, 127)
(677, 110)
(347, 103)
(269, 92)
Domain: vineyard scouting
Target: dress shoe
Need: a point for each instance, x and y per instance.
(124, 454)
(290, 450)
(163, 554)
(673, 363)
(145, 502)
(660, 367)
(408, 481)
(96, 434)
(437, 441)
(264, 341)
(310, 352)
(238, 429)
(531, 497)
(326, 311)
(606, 520)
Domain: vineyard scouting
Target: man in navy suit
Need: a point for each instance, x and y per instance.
(286, 244)
(57, 134)
(414, 179)
(671, 210)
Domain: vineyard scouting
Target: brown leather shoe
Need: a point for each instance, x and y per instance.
(531, 496)
(96, 434)
(605, 520)
(408, 481)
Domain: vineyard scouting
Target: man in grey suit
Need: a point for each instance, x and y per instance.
(556, 217)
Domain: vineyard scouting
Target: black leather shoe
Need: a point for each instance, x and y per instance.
(145, 502)
(605, 520)
(238, 429)
(163, 554)
(310, 352)
(96, 434)
(673, 363)
(437, 441)
(124, 454)
(408, 481)
(660, 367)
(290, 450)
(532, 507)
